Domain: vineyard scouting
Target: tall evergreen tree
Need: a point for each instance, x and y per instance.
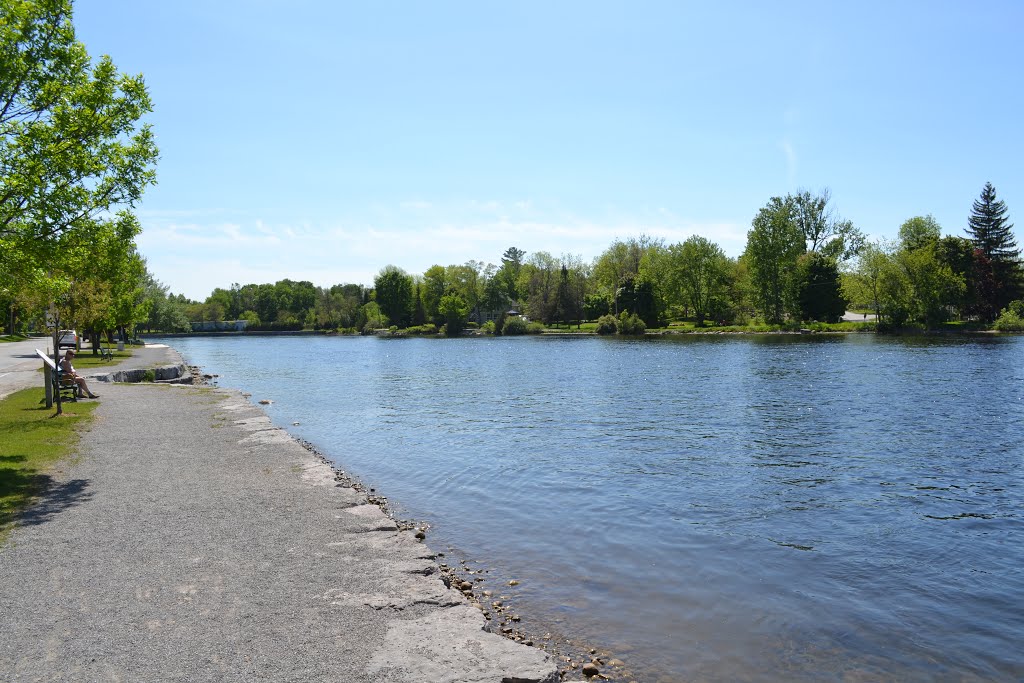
(989, 228)
(991, 233)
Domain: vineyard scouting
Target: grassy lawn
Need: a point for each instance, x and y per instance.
(84, 360)
(12, 338)
(964, 326)
(32, 443)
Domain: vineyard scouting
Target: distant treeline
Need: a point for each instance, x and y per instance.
(801, 263)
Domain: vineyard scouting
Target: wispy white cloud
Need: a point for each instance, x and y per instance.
(791, 161)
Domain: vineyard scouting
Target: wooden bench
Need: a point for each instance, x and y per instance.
(56, 382)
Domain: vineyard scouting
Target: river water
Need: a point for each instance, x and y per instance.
(750, 508)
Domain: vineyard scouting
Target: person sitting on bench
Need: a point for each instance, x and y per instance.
(69, 371)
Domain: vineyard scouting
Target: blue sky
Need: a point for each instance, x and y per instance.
(322, 140)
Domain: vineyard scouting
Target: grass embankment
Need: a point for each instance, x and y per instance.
(32, 443)
(12, 338)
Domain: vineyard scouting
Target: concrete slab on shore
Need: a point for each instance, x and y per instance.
(190, 540)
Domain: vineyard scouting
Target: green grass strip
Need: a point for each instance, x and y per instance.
(32, 443)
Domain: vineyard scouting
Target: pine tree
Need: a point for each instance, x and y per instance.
(989, 229)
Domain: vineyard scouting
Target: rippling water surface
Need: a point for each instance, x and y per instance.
(709, 508)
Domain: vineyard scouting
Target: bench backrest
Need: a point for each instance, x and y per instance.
(46, 359)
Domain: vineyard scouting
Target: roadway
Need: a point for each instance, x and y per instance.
(19, 364)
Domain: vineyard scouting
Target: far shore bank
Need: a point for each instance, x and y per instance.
(400, 334)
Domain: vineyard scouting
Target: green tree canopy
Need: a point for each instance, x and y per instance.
(823, 230)
(698, 273)
(774, 243)
(73, 151)
(620, 264)
(71, 143)
(456, 312)
(538, 281)
(394, 294)
(820, 294)
(919, 232)
(435, 286)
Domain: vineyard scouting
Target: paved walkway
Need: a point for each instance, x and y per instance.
(852, 317)
(191, 540)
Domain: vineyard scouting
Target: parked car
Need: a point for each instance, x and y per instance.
(67, 339)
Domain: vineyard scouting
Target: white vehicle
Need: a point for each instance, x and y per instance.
(67, 339)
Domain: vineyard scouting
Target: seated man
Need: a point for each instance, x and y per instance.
(69, 371)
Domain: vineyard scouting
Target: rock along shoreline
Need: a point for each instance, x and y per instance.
(484, 590)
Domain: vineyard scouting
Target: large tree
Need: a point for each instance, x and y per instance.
(435, 285)
(989, 228)
(619, 265)
(919, 232)
(508, 274)
(992, 234)
(698, 273)
(862, 284)
(71, 142)
(572, 288)
(774, 243)
(72, 145)
(906, 285)
(394, 294)
(819, 291)
(538, 280)
(824, 231)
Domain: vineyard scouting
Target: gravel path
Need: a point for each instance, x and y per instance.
(191, 540)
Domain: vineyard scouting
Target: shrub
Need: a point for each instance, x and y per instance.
(291, 325)
(425, 329)
(514, 325)
(149, 376)
(607, 324)
(1009, 320)
(487, 327)
(535, 328)
(631, 324)
(741, 318)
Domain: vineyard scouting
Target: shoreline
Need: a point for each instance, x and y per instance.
(481, 588)
(909, 332)
(571, 656)
(192, 536)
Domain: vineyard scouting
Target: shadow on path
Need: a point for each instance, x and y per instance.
(47, 498)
